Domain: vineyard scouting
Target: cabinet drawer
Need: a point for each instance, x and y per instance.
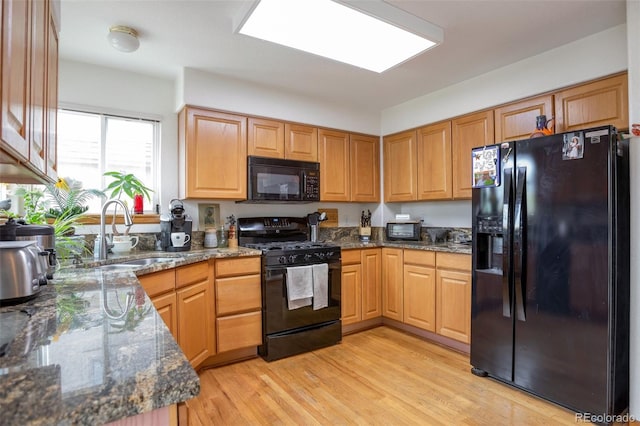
(237, 266)
(454, 261)
(239, 331)
(238, 294)
(350, 257)
(190, 274)
(420, 257)
(158, 282)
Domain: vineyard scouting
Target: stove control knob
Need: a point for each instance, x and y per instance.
(329, 254)
(282, 259)
(307, 257)
(320, 255)
(292, 258)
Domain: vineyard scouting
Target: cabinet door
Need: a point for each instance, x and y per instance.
(265, 138)
(351, 294)
(166, 306)
(51, 128)
(37, 103)
(371, 283)
(420, 297)
(434, 162)
(333, 155)
(215, 152)
(468, 132)
(400, 167)
(196, 336)
(593, 104)
(365, 168)
(453, 293)
(518, 120)
(392, 275)
(239, 331)
(14, 113)
(238, 294)
(300, 142)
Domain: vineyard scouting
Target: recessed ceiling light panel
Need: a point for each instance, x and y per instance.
(333, 30)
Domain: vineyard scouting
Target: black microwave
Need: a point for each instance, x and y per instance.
(275, 180)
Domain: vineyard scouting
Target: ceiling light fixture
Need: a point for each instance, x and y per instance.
(368, 34)
(123, 38)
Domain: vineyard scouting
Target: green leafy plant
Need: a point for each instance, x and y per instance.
(69, 199)
(128, 184)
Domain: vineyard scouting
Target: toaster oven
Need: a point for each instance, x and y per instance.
(404, 231)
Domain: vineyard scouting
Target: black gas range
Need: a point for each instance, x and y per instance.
(286, 251)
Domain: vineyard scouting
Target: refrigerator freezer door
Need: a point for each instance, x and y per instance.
(492, 294)
(561, 335)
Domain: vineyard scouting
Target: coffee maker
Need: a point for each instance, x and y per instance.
(175, 228)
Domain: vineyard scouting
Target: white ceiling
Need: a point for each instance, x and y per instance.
(479, 36)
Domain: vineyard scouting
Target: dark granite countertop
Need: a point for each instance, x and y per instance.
(77, 355)
(414, 245)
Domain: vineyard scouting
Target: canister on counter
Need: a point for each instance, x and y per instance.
(210, 238)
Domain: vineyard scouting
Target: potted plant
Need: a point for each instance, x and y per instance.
(130, 185)
(64, 203)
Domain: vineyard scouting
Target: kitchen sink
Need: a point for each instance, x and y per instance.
(134, 263)
(145, 261)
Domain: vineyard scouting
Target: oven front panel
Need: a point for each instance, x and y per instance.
(276, 315)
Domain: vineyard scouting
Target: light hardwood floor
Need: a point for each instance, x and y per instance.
(377, 377)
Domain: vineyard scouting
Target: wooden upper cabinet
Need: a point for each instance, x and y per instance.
(333, 155)
(468, 132)
(265, 138)
(400, 165)
(300, 142)
(38, 92)
(434, 162)
(517, 120)
(51, 105)
(15, 76)
(593, 104)
(365, 168)
(214, 147)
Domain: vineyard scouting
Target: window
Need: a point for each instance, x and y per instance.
(90, 144)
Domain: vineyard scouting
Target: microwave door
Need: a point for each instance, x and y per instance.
(274, 183)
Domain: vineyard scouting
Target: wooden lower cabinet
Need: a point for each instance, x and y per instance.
(194, 296)
(195, 310)
(453, 296)
(167, 307)
(361, 289)
(392, 289)
(238, 303)
(419, 289)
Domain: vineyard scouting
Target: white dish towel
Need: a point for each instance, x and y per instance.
(299, 286)
(320, 286)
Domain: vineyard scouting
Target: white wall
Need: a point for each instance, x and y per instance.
(633, 50)
(588, 58)
(215, 91)
(116, 91)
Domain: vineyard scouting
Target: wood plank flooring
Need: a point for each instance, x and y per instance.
(376, 377)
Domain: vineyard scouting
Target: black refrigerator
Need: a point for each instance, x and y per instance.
(550, 282)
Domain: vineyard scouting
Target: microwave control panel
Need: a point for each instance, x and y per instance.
(311, 185)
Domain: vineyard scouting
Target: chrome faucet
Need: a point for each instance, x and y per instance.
(127, 221)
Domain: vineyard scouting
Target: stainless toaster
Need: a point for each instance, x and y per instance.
(23, 269)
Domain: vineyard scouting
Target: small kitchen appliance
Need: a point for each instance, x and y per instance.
(314, 220)
(286, 250)
(274, 180)
(175, 228)
(23, 269)
(404, 231)
(43, 235)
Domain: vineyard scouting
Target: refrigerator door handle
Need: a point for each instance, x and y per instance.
(507, 214)
(519, 240)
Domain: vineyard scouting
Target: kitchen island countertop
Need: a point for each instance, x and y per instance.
(79, 354)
